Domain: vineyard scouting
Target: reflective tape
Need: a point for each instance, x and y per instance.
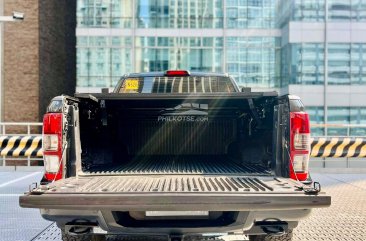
(21, 146)
(338, 147)
(316, 147)
(31, 146)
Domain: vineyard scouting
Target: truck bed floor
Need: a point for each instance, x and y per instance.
(166, 165)
(173, 184)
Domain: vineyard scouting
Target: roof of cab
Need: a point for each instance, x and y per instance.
(162, 73)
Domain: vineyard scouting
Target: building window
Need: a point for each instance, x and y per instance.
(358, 64)
(302, 64)
(191, 53)
(190, 14)
(358, 118)
(250, 14)
(104, 13)
(339, 64)
(347, 115)
(316, 114)
(309, 10)
(358, 10)
(101, 60)
(338, 115)
(339, 10)
(251, 61)
(299, 11)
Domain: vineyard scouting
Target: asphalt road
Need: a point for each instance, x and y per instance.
(344, 220)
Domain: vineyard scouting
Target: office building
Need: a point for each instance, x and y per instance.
(311, 48)
(38, 57)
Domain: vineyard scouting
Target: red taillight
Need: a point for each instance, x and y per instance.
(176, 73)
(52, 146)
(299, 145)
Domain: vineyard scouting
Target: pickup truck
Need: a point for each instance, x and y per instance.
(178, 155)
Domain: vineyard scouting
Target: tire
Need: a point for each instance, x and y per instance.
(269, 237)
(86, 237)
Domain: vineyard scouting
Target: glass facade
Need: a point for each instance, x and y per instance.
(302, 64)
(103, 59)
(339, 69)
(246, 38)
(104, 13)
(252, 61)
(193, 53)
(350, 117)
(347, 115)
(299, 10)
(358, 117)
(346, 64)
(335, 63)
(347, 10)
(316, 114)
(250, 13)
(179, 13)
(309, 10)
(314, 11)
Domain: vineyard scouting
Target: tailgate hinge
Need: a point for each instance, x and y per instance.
(34, 189)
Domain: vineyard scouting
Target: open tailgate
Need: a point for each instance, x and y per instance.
(174, 192)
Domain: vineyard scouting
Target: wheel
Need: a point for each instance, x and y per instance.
(270, 237)
(84, 237)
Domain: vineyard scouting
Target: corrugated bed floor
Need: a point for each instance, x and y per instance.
(170, 183)
(166, 165)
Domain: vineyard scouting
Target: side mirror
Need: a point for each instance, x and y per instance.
(246, 89)
(105, 90)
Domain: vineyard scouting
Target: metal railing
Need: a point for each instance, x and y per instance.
(356, 130)
(18, 126)
(21, 129)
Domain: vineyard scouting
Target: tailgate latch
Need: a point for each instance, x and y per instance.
(312, 190)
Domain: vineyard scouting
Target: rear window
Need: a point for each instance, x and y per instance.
(179, 84)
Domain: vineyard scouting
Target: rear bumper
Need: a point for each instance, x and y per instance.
(110, 224)
(175, 201)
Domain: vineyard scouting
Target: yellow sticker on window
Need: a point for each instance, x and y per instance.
(132, 84)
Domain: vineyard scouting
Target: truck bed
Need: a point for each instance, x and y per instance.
(183, 166)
